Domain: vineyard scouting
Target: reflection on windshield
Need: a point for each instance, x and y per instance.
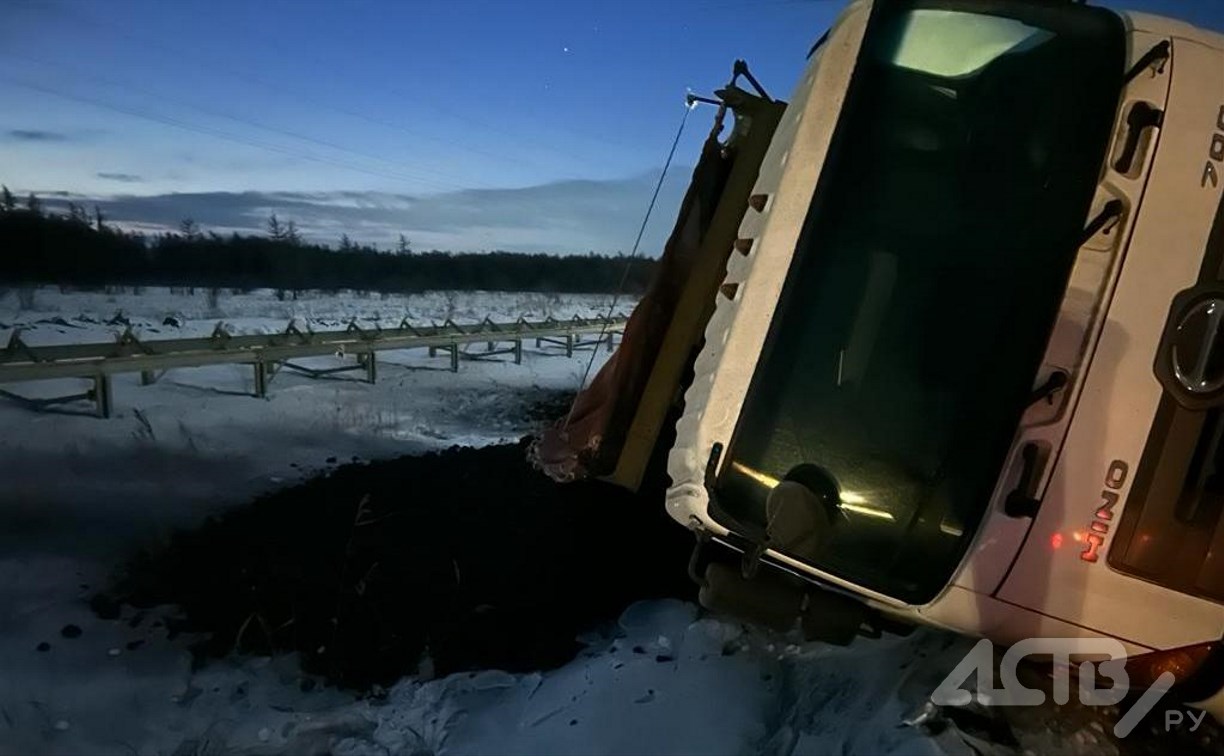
(966, 41)
(926, 282)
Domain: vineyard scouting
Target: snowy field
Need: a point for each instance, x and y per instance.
(80, 493)
(197, 439)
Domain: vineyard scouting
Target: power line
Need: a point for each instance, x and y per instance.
(219, 134)
(445, 181)
(637, 243)
(480, 123)
(307, 97)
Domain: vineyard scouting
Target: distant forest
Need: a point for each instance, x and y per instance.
(80, 248)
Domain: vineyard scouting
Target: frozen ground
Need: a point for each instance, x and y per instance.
(79, 493)
(197, 439)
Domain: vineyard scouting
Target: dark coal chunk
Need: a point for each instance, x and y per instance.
(468, 555)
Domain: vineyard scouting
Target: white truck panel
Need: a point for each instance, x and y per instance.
(1121, 393)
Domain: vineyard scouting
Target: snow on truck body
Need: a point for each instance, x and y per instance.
(978, 325)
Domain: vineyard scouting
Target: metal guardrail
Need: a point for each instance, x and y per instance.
(269, 353)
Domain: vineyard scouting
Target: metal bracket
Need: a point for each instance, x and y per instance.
(741, 69)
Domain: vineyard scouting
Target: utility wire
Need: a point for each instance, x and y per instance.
(506, 128)
(637, 243)
(215, 65)
(441, 180)
(219, 134)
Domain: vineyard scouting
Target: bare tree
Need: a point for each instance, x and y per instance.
(34, 204)
(7, 202)
(77, 214)
(189, 229)
(275, 229)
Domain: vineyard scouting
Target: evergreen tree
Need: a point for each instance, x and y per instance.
(404, 247)
(7, 202)
(60, 248)
(275, 229)
(76, 214)
(34, 204)
(98, 218)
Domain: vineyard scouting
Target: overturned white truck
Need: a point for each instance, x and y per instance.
(966, 363)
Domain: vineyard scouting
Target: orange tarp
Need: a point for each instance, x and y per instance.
(587, 443)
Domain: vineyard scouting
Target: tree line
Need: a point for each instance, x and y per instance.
(80, 247)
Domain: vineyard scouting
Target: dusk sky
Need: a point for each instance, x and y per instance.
(465, 124)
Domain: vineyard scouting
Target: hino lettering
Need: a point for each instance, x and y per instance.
(1094, 539)
(962, 271)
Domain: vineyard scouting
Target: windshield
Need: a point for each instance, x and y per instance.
(926, 282)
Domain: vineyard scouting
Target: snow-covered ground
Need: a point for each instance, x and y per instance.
(197, 439)
(78, 493)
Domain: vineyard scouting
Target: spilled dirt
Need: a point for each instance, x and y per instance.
(467, 557)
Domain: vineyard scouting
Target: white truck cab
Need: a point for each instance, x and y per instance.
(967, 365)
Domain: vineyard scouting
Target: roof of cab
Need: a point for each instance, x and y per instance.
(1171, 27)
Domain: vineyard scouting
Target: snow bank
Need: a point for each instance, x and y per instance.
(668, 682)
(197, 440)
(78, 493)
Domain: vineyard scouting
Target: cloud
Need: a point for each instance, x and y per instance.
(124, 178)
(37, 135)
(573, 216)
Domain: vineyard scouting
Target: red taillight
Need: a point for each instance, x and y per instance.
(1182, 662)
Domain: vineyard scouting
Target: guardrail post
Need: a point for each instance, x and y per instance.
(102, 394)
(99, 362)
(261, 379)
(371, 366)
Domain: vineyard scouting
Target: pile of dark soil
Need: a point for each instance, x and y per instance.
(468, 555)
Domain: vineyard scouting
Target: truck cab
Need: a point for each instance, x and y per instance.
(966, 367)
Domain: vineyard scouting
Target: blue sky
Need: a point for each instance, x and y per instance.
(351, 113)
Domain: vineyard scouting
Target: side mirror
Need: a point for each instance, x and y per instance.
(800, 513)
